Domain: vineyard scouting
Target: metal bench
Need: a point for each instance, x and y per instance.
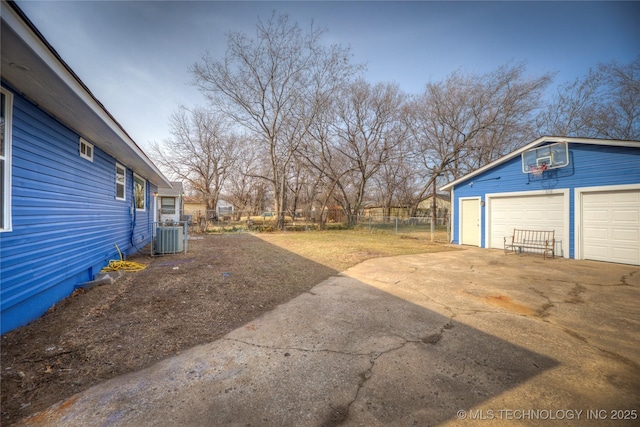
(531, 239)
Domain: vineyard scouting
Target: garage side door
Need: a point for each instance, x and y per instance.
(611, 226)
(536, 212)
(470, 221)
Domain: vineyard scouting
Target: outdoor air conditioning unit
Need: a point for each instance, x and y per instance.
(169, 240)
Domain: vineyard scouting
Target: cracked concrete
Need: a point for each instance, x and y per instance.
(403, 341)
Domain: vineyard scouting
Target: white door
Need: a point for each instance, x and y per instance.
(611, 226)
(470, 222)
(545, 212)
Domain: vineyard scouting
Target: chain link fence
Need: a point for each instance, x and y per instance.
(238, 221)
(205, 221)
(420, 227)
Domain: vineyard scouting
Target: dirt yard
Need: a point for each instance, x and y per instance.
(177, 302)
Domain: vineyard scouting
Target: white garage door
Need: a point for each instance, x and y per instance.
(611, 226)
(532, 212)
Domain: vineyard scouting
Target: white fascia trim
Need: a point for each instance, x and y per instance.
(578, 193)
(539, 141)
(44, 53)
(566, 192)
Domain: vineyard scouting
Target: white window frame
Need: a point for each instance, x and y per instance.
(85, 147)
(124, 182)
(6, 223)
(136, 178)
(167, 210)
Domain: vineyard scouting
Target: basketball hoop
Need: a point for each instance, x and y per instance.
(537, 170)
(545, 158)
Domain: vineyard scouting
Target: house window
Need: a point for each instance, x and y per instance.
(168, 205)
(121, 181)
(139, 191)
(86, 149)
(6, 107)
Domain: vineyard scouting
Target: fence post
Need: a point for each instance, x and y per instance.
(433, 230)
(185, 236)
(154, 234)
(396, 225)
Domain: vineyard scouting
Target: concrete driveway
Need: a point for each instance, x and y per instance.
(451, 338)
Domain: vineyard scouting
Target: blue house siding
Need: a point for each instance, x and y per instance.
(591, 165)
(66, 219)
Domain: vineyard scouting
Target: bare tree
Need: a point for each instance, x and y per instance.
(270, 85)
(324, 162)
(468, 121)
(200, 152)
(565, 115)
(369, 130)
(245, 188)
(396, 185)
(603, 104)
(300, 183)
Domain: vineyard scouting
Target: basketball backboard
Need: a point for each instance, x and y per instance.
(551, 156)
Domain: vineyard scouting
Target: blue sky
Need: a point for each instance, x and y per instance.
(134, 55)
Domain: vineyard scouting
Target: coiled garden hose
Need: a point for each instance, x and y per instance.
(115, 265)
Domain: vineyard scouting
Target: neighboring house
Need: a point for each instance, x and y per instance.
(443, 206)
(73, 183)
(195, 207)
(224, 208)
(380, 211)
(586, 190)
(170, 201)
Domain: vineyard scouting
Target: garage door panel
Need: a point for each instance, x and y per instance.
(622, 253)
(624, 198)
(534, 212)
(534, 215)
(625, 235)
(601, 216)
(630, 216)
(597, 250)
(501, 231)
(555, 215)
(599, 233)
(611, 226)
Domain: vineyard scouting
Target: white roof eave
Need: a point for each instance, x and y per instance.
(32, 66)
(537, 142)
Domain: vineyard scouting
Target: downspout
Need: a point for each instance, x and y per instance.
(133, 223)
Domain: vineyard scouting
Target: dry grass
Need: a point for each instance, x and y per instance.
(341, 249)
(178, 302)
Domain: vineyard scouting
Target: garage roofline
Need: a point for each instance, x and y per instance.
(537, 142)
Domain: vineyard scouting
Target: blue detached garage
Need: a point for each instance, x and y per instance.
(585, 190)
(73, 183)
